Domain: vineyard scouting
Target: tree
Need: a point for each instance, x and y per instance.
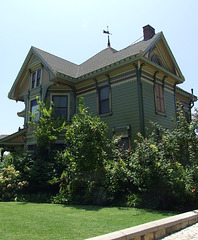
(195, 119)
(85, 157)
(41, 166)
(48, 127)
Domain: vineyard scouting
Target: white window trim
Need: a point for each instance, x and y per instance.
(63, 94)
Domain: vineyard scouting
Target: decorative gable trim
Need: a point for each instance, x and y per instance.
(148, 52)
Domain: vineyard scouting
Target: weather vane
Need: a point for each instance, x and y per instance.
(108, 33)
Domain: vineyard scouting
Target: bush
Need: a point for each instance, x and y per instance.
(10, 183)
(164, 166)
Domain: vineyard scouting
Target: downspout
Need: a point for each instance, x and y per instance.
(110, 92)
(154, 87)
(175, 98)
(192, 103)
(97, 93)
(140, 96)
(74, 100)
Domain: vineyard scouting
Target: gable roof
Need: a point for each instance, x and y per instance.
(104, 59)
(56, 64)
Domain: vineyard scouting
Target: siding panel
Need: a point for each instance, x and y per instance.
(125, 109)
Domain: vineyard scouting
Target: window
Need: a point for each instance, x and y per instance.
(36, 78)
(33, 79)
(38, 82)
(104, 100)
(61, 105)
(159, 99)
(156, 60)
(34, 109)
(124, 143)
(31, 147)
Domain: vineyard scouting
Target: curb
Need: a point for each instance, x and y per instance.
(153, 230)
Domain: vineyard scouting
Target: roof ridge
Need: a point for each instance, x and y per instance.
(105, 49)
(142, 41)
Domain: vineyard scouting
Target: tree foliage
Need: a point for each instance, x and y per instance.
(164, 165)
(85, 157)
(160, 172)
(48, 128)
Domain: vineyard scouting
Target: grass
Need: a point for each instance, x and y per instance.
(22, 221)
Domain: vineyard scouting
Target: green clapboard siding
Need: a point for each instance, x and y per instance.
(91, 101)
(125, 109)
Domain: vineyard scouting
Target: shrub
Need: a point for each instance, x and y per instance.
(10, 183)
(164, 166)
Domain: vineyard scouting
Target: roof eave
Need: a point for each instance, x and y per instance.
(186, 94)
(110, 67)
(180, 80)
(11, 92)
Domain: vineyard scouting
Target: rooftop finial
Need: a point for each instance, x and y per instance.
(107, 32)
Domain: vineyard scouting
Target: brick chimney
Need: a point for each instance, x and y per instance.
(149, 32)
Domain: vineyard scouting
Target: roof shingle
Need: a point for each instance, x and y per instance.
(104, 58)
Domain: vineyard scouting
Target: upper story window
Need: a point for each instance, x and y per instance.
(36, 78)
(159, 99)
(104, 100)
(61, 105)
(34, 109)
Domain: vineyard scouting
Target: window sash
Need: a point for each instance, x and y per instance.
(61, 105)
(104, 100)
(36, 78)
(34, 109)
(38, 82)
(159, 99)
(33, 79)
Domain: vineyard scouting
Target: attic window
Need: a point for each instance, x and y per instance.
(36, 78)
(156, 60)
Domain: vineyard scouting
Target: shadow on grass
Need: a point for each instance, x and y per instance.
(137, 211)
(140, 211)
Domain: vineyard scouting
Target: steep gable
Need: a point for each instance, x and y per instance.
(160, 53)
(56, 64)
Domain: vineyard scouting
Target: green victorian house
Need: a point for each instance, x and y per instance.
(126, 88)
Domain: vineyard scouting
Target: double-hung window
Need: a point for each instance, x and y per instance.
(61, 105)
(34, 109)
(159, 99)
(36, 78)
(104, 101)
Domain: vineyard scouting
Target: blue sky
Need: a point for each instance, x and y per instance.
(73, 30)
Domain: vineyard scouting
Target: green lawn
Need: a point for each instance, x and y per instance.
(23, 221)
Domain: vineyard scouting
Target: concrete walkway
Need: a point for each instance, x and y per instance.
(189, 233)
(159, 229)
